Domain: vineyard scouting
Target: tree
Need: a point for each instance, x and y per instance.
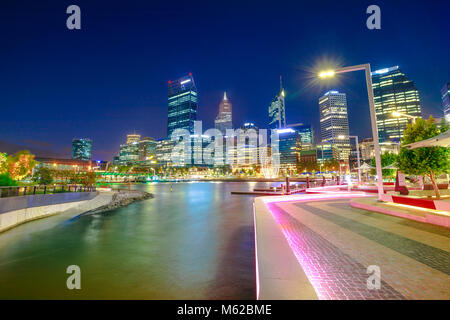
(89, 178)
(444, 126)
(387, 159)
(124, 169)
(331, 165)
(3, 163)
(309, 166)
(424, 161)
(21, 164)
(43, 176)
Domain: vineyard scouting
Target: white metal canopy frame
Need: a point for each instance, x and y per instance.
(441, 140)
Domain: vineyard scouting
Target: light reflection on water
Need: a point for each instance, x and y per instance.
(194, 242)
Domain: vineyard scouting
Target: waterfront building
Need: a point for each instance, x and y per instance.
(445, 94)
(182, 104)
(334, 122)
(308, 155)
(129, 153)
(289, 146)
(367, 149)
(277, 112)
(245, 149)
(164, 149)
(394, 91)
(82, 149)
(147, 148)
(326, 151)
(101, 165)
(133, 137)
(224, 117)
(306, 133)
(65, 164)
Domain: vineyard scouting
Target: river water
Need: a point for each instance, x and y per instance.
(194, 242)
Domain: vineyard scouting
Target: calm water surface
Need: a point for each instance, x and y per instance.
(195, 242)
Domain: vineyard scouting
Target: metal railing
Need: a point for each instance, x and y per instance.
(16, 191)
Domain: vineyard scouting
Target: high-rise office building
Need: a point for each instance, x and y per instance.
(334, 122)
(326, 151)
(147, 148)
(289, 142)
(164, 148)
(183, 104)
(129, 153)
(82, 149)
(445, 94)
(306, 133)
(224, 117)
(393, 91)
(277, 113)
(133, 137)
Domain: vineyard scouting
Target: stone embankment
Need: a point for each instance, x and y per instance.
(121, 199)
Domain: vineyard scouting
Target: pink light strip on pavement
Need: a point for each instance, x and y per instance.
(311, 197)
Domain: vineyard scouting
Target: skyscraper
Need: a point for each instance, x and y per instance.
(164, 149)
(82, 149)
(133, 137)
(306, 133)
(129, 153)
(334, 122)
(393, 91)
(277, 113)
(289, 142)
(445, 94)
(224, 117)
(183, 104)
(147, 148)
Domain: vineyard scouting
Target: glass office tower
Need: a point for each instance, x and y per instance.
(183, 105)
(393, 91)
(288, 151)
(306, 133)
(334, 122)
(277, 113)
(82, 149)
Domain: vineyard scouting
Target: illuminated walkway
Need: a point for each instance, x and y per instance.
(335, 243)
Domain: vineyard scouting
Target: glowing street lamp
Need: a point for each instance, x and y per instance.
(373, 119)
(327, 74)
(400, 114)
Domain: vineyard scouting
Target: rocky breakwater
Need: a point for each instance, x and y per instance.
(122, 198)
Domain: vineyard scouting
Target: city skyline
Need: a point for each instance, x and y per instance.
(105, 103)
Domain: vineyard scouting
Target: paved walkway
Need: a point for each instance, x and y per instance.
(335, 243)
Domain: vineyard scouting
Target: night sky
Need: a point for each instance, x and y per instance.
(110, 78)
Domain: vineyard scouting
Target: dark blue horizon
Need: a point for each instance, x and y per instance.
(110, 78)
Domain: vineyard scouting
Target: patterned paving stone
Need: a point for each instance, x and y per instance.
(334, 274)
(433, 257)
(409, 277)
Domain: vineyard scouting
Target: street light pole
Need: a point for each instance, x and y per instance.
(357, 158)
(373, 118)
(357, 154)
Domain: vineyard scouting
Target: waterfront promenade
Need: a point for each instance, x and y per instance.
(16, 210)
